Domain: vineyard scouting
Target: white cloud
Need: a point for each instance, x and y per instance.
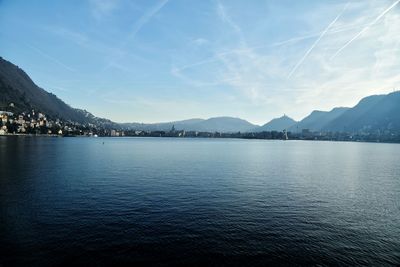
(365, 28)
(103, 8)
(200, 41)
(316, 41)
(258, 74)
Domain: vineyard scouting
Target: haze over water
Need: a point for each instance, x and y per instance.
(80, 201)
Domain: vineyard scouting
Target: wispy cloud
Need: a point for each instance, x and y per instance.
(90, 44)
(254, 48)
(221, 11)
(257, 75)
(316, 41)
(228, 57)
(365, 29)
(143, 20)
(147, 16)
(200, 41)
(51, 58)
(102, 8)
(199, 83)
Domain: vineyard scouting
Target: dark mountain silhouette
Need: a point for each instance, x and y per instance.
(372, 113)
(17, 87)
(278, 124)
(317, 120)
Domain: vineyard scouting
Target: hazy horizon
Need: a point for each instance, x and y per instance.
(158, 61)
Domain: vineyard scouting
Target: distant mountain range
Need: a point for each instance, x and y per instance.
(317, 120)
(217, 124)
(377, 112)
(278, 124)
(372, 113)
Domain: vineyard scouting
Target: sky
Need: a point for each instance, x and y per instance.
(165, 60)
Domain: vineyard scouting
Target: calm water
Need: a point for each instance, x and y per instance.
(160, 201)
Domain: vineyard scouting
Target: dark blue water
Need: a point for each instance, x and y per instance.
(160, 201)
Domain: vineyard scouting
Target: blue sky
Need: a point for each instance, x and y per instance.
(152, 61)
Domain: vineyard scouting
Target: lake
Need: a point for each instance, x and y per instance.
(182, 201)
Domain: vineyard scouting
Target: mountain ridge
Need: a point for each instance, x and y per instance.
(214, 124)
(18, 88)
(376, 112)
(277, 124)
(317, 119)
(372, 113)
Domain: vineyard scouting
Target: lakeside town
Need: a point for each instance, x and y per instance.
(37, 123)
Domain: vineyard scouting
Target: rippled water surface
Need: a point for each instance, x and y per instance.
(161, 201)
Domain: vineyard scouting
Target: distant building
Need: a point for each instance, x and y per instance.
(6, 113)
(306, 133)
(20, 119)
(21, 129)
(4, 116)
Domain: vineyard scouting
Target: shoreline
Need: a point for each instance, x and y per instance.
(199, 137)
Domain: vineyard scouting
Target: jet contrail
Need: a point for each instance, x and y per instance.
(276, 44)
(366, 28)
(143, 20)
(54, 60)
(147, 17)
(316, 41)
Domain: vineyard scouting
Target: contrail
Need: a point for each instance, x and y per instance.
(147, 17)
(366, 28)
(54, 60)
(137, 27)
(280, 43)
(316, 41)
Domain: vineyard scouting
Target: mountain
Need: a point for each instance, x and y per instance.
(17, 87)
(317, 120)
(278, 124)
(223, 124)
(372, 113)
(162, 126)
(217, 124)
